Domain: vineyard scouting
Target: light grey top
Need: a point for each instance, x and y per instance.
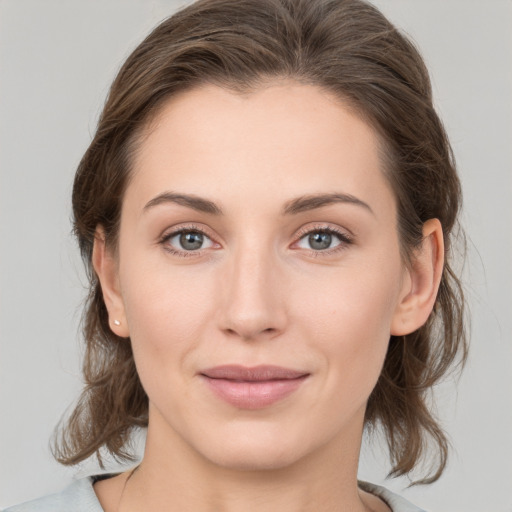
(80, 497)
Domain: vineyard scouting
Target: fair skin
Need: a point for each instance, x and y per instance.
(256, 289)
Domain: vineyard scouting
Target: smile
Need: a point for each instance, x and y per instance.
(253, 388)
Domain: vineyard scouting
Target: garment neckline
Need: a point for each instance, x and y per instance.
(395, 502)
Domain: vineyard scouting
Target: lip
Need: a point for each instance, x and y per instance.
(253, 387)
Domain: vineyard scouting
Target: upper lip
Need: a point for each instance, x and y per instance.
(255, 373)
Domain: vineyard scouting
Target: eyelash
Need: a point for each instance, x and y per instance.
(344, 238)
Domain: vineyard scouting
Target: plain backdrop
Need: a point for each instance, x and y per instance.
(57, 59)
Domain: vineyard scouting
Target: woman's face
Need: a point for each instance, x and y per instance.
(259, 273)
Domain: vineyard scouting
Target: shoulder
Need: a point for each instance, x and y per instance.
(394, 501)
(77, 497)
(80, 497)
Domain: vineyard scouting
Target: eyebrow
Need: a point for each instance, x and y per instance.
(191, 201)
(292, 207)
(312, 201)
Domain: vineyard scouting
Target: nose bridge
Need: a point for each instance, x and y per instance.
(252, 304)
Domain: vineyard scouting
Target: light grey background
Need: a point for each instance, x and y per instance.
(57, 59)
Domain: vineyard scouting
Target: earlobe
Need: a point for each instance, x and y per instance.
(422, 285)
(105, 266)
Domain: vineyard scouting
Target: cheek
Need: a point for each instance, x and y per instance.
(166, 312)
(349, 324)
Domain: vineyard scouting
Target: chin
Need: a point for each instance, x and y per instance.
(255, 460)
(264, 452)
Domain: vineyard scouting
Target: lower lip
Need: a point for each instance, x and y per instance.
(253, 394)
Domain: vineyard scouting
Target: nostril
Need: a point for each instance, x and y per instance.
(248, 335)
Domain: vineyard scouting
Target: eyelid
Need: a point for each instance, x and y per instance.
(319, 226)
(170, 233)
(345, 237)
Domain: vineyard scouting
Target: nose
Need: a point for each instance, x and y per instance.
(253, 294)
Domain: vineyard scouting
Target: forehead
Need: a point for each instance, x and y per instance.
(284, 139)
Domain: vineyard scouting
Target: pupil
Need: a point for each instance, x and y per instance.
(190, 241)
(320, 240)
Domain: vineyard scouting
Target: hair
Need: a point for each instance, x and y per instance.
(346, 47)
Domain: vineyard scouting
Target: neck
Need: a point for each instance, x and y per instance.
(173, 476)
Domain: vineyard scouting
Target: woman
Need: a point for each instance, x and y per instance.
(266, 214)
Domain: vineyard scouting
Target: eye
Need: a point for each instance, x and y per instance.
(328, 240)
(186, 241)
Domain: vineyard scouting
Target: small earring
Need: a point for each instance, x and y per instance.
(117, 322)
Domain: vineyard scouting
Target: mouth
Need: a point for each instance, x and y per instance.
(253, 387)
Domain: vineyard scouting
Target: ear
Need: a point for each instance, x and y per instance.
(424, 277)
(105, 265)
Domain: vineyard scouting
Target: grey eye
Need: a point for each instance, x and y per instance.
(189, 240)
(320, 240)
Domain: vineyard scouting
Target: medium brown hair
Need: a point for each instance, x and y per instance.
(346, 47)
